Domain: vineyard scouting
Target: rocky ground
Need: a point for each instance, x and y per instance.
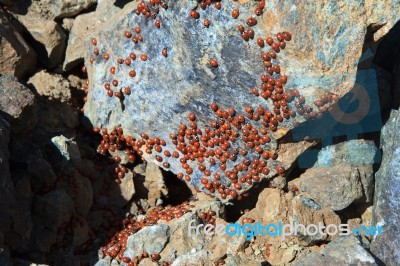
(97, 174)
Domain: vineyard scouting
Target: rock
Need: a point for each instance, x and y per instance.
(67, 24)
(17, 57)
(51, 10)
(307, 212)
(17, 105)
(50, 211)
(52, 86)
(317, 259)
(182, 241)
(360, 154)
(187, 80)
(7, 200)
(339, 186)
(17, 238)
(196, 259)
(78, 38)
(154, 184)
(121, 194)
(43, 176)
(151, 239)
(49, 38)
(348, 250)
(386, 200)
(63, 154)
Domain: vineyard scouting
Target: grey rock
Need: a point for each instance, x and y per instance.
(360, 154)
(50, 40)
(187, 82)
(64, 155)
(154, 184)
(52, 10)
(151, 239)
(386, 201)
(50, 211)
(338, 186)
(348, 250)
(306, 212)
(17, 238)
(317, 259)
(196, 259)
(51, 86)
(42, 173)
(17, 105)
(16, 57)
(78, 38)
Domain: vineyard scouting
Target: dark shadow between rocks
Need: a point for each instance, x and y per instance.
(178, 191)
(121, 3)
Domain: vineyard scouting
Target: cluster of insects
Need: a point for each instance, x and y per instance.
(237, 147)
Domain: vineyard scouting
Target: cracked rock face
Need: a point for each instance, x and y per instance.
(164, 90)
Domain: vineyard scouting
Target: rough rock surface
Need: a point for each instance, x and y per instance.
(338, 187)
(187, 82)
(348, 250)
(78, 38)
(49, 38)
(16, 56)
(53, 86)
(386, 201)
(51, 10)
(17, 105)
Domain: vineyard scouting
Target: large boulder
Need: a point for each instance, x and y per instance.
(322, 57)
(387, 188)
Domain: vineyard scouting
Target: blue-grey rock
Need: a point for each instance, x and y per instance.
(151, 239)
(166, 90)
(386, 200)
(64, 155)
(348, 250)
(335, 187)
(17, 105)
(317, 259)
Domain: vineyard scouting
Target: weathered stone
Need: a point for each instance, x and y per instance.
(196, 259)
(63, 154)
(67, 24)
(360, 154)
(183, 241)
(154, 184)
(122, 193)
(348, 250)
(317, 259)
(151, 239)
(386, 201)
(79, 37)
(17, 238)
(307, 212)
(17, 105)
(338, 186)
(52, 86)
(49, 38)
(16, 56)
(186, 79)
(50, 211)
(51, 10)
